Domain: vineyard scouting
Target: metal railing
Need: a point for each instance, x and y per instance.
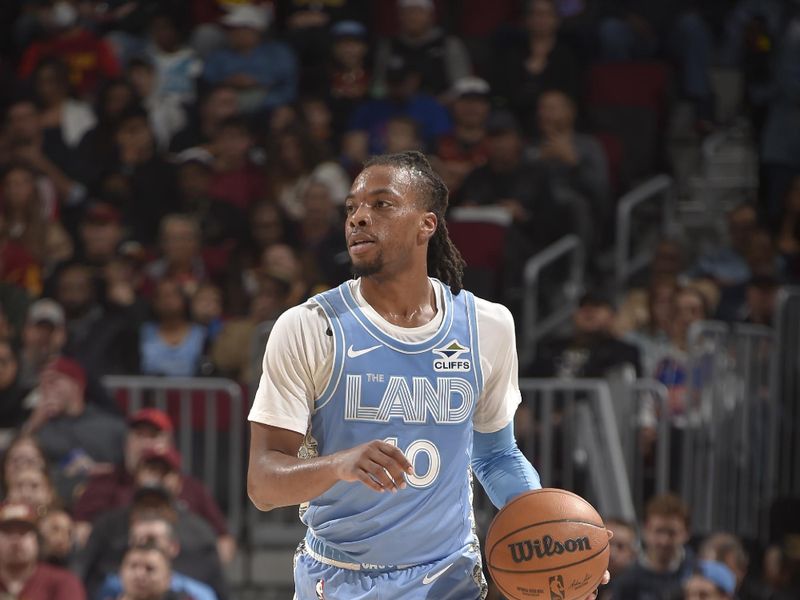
(730, 159)
(727, 177)
(783, 471)
(629, 261)
(208, 415)
(728, 436)
(571, 436)
(645, 442)
(480, 214)
(534, 325)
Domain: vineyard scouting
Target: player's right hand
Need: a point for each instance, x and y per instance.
(376, 464)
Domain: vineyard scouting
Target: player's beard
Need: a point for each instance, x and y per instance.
(367, 268)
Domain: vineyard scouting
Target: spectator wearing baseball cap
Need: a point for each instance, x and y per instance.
(100, 234)
(222, 223)
(152, 515)
(593, 349)
(348, 76)
(75, 436)
(43, 338)
(150, 433)
(367, 128)
(21, 573)
(711, 581)
(160, 532)
(466, 147)
(440, 59)
(264, 72)
(308, 27)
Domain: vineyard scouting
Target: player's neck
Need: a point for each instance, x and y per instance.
(406, 301)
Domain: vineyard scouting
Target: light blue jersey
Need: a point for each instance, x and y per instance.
(418, 396)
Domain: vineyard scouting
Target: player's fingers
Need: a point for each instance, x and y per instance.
(395, 454)
(381, 475)
(369, 481)
(392, 468)
(606, 578)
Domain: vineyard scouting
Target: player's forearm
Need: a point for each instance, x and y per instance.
(500, 466)
(277, 479)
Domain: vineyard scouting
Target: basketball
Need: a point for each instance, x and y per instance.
(549, 544)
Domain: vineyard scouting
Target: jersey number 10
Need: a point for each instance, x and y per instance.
(420, 480)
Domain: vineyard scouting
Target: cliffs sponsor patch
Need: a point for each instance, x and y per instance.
(450, 358)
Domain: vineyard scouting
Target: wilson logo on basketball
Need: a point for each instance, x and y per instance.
(525, 550)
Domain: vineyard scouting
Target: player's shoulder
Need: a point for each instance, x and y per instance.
(300, 319)
(493, 315)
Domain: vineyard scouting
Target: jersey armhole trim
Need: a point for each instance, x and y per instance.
(472, 318)
(338, 352)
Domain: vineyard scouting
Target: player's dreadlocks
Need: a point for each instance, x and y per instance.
(444, 259)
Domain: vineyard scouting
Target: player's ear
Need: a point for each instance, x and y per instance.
(428, 223)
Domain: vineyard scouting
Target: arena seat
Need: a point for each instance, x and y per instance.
(479, 233)
(630, 101)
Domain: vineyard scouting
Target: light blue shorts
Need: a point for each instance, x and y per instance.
(455, 577)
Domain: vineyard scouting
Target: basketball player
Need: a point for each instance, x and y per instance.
(379, 398)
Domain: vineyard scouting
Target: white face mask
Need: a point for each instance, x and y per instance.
(63, 15)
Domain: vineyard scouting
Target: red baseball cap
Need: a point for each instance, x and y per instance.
(68, 368)
(171, 457)
(152, 416)
(102, 213)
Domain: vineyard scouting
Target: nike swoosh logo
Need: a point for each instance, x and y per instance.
(430, 578)
(356, 353)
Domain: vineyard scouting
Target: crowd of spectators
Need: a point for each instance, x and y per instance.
(662, 559)
(172, 174)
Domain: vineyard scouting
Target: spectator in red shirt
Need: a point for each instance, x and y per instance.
(17, 266)
(88, 57)
(150, 431)
(237, 179)
(21, 573)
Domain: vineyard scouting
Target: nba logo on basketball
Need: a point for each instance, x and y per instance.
(557, 587)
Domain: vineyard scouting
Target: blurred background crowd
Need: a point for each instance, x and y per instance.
(172, 174)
